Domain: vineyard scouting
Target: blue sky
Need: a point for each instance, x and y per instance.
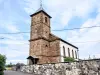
(15, 17)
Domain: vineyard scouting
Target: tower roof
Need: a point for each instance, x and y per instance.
(41, 10)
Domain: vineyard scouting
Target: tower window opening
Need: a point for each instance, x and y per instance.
(46, 19)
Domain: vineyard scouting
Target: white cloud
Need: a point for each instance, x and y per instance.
(16, 61)
(15, 49)
(65, 9)
(13, 37)
(88, 37)
(97, 56)
(66, 16)
(9, 26)
(15, 42)
(84, 7)
(13, 46)
(12, 28)
(31, 6)
(15, 52)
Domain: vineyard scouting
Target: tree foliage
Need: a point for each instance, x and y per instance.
(19, 65)
(69, 59)
(10, 65)
(2, 63)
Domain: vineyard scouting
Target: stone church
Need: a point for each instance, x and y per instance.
(45, 47)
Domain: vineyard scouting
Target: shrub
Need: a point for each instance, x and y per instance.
(2, 64)
(1, 69)
(68, 59)
(1, 73)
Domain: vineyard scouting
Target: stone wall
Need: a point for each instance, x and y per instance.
(86, 67)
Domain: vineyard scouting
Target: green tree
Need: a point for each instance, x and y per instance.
(2, 63)
(10, 65)
(69, 59)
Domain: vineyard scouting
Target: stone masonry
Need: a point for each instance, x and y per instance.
(86, 67)
(43, 44)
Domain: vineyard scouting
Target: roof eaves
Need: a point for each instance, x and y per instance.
(39, 12)
(68, 43)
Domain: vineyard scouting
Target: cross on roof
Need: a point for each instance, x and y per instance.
(40, 3)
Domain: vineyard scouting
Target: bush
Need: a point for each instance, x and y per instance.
(1, 73)
(1, 70)
(68, 59)
(2, 64)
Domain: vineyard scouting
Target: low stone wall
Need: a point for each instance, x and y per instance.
(86, 67)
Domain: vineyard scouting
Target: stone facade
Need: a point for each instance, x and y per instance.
(43, 44)
(86, 67)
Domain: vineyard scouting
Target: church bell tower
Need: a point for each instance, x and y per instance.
(40, 25)
(39, 37)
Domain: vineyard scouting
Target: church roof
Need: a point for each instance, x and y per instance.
(41, 10)
(68, 43)
(53, 38)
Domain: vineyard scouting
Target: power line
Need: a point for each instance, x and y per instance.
(77, 28)
(79, 42)
(15, 33)
(55, 30)
(87, 41)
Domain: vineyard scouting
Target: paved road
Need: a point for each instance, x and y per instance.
(14, 73)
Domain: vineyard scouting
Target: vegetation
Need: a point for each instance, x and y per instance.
(10, 65)
(19, 65)
(68, 59)
(2, 64)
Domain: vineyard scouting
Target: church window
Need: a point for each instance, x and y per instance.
(64, 51)
(72, 53)
(68, 52)
(46, 19)
(76, 54)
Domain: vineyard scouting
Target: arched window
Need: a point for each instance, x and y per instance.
(72, 53)
(76, 54)
(68, 52)
(46, 19)
(64, 53)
